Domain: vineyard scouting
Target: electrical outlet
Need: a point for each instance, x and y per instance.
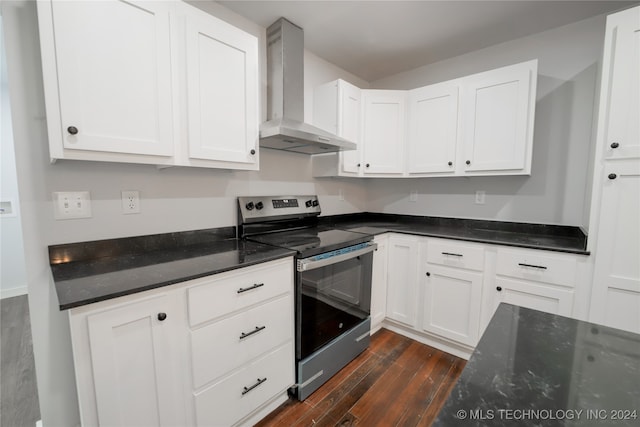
(480, 197)
(130, 202)
(413, 196)
(71, 204)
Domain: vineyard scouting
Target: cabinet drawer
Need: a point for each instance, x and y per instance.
(233, 398)
(455, 255)
(532, 265)
(230, 343)
(217, 296)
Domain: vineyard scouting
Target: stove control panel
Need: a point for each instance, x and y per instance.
(266, 208)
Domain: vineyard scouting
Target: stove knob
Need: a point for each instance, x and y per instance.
(315, 203)
(308, 203)
(249, 206)
(259, 205)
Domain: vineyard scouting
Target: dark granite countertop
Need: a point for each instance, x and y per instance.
(89, 272)
(537, 369)
(536, 236)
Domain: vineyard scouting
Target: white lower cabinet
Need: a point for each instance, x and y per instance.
(402, 279)
(451, 306)
(551, 299)
(379, 283)
(138, 362)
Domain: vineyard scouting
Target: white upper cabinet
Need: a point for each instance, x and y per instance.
(336, 109)
(621, 86)
(113, 66)
(222, 90)
(498, 120)
(383, 131)
(148, 82)
(433, 129)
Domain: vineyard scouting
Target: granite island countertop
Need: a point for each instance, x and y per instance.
(90, 272)
(538, 369)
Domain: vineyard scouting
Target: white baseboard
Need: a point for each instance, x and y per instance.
(13, 292)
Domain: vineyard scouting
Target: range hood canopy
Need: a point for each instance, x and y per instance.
(285, 128)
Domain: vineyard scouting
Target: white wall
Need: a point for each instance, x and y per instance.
(13, 278)
(171, 199)
(557, 191)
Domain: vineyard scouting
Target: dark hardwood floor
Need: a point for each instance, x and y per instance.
(395, 382)
(19, 404)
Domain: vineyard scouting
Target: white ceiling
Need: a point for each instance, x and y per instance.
(376, 39)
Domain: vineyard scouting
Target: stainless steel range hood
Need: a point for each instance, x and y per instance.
(285, 128)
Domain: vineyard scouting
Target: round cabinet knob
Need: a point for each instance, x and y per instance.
(367, 165)
(428, 274)
(615, 145)
(450, 163)
(358, 164)
(468, 162)
(162, 316)
(252, 152)
(259, 205)
(72, 130)
(499, 288)
(249, 206)
(612, 176)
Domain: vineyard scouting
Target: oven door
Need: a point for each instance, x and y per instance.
(333, 294)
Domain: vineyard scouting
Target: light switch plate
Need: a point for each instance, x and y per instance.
(71, 204)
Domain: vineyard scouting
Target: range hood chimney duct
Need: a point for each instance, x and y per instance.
(285, 128)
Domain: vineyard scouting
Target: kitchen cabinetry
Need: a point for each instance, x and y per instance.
(146, 359)
(222, 90)
(402, 279)
(383, 131)
(433, 129)
(379, 283)
(148, 82)
(452, 294)
(336, 109)
(615, 209)
(480, 124)
(498, 116)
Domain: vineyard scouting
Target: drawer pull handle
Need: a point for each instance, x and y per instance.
(255, 331)
(541, 267)
(452, 254)
(257, 285)
(248, 389)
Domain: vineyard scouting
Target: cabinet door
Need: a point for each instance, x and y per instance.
(113, 62)
(383, 131)
(499, 108)
(222, 90)
(433, 129)
(402, 277)
(379, 285)
(530, 295)
(452, 303)
(615, 300)
(349, 125)
(133, 363)
(622, 80)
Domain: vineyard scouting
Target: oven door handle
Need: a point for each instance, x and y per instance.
(307, 264)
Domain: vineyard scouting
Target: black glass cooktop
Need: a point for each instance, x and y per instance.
(312, 241)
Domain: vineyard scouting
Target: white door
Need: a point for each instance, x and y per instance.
(402, 275)
(383, 131)
(433, 129)
(498, 119)
(133, 364)
(530, 295)
(452, 303)
(349, 124)
(622, 111)
(114, 75)
(379, 285)
(222, 90)
(615, 300)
